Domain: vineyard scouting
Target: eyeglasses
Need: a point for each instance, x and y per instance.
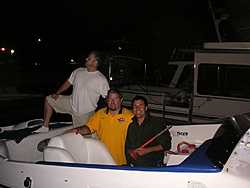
(113, 99)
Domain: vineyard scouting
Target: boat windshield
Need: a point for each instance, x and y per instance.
(226, 138)
(185, 79)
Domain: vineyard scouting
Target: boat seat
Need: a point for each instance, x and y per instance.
(4, 152)
(77, 149)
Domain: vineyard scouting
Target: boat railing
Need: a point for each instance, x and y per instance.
(161, 99)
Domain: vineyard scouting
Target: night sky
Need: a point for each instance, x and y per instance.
(72, 28)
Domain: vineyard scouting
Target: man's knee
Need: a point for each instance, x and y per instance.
(47, 105)
(46, 102)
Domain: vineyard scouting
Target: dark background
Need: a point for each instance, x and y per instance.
(71, 29)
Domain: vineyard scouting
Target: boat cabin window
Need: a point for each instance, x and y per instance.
(224, 80)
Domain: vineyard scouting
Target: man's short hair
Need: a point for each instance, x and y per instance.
(113, 90)
(98, 56)
(138, 97)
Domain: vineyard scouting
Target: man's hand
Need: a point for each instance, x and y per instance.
(54, 96)
(75, 130)
(142, 151)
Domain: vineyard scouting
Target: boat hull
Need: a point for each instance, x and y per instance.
(39, 175)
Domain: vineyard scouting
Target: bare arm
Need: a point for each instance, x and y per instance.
(63, 88)
(143, 151)
(82, 130)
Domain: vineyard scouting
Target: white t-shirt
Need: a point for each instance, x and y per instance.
(87, 88)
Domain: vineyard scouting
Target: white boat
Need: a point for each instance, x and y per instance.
(200, 85)
(213, 86)
(68, 160)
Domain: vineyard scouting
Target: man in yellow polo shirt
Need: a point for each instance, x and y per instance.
(111, 125)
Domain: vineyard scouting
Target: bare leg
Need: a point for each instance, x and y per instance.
(48, 111)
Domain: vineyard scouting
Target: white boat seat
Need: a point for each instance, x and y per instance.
(4, 152)
(77, 149)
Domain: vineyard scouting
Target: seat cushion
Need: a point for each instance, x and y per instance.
(75, 148)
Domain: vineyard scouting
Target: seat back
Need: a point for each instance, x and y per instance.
(4, 152)
(77, 149)
(55, 154)
(69, 143)
(98, 153)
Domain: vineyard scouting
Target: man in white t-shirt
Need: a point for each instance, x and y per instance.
(88, 85)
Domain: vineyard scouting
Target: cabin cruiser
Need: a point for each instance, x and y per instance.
(213, 86)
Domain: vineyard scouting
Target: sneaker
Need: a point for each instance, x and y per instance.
(42, 129)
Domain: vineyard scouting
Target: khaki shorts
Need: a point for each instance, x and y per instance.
(62, 105)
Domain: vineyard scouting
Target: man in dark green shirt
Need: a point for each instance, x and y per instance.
(143, 128)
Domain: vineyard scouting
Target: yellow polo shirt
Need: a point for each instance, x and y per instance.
(112, 131)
